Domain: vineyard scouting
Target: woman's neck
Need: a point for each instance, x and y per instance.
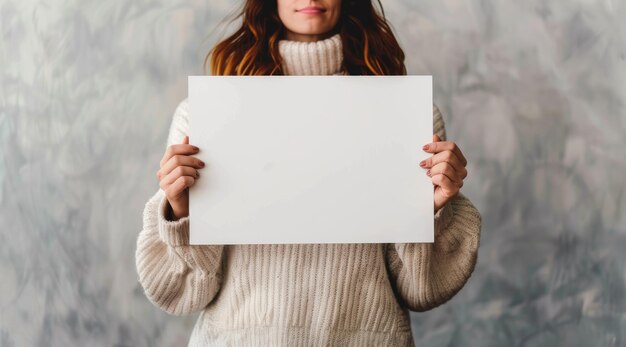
(293, 36)
(321, 57)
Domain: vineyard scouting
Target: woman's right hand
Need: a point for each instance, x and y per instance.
(178, 172)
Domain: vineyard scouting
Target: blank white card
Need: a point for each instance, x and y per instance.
(311, 159)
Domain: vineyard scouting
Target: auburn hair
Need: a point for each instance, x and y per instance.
(369, 45)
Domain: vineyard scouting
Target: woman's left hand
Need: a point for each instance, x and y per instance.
(446, 168)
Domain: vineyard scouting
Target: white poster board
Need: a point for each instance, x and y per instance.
(311, 159)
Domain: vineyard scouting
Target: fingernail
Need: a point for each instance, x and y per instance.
(426, 147)
(423, 163)
(428, 173)
(201, 163)
(195, 148)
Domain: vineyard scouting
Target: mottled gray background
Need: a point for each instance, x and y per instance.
(533, 91)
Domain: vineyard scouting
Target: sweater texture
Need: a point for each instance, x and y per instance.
(303, 294)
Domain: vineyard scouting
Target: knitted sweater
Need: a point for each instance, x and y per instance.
(303, 294)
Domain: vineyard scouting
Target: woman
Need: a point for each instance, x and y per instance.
(304, 294)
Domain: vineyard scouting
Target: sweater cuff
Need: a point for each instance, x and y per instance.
(174, 233)
(444, 216)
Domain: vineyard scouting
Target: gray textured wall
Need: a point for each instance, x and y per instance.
(532, 91)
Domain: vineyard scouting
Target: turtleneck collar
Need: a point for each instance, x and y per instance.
(322, 57)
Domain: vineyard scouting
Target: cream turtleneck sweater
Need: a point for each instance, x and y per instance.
(303, 294)
(321, 57)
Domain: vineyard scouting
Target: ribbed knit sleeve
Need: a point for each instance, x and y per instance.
(177, 277)
(426, 275)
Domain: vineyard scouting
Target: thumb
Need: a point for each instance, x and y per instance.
(436, 138)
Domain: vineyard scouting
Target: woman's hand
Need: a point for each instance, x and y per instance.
(446, 168)
(178, 172)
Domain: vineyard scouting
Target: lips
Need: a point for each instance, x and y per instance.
(311, 9)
